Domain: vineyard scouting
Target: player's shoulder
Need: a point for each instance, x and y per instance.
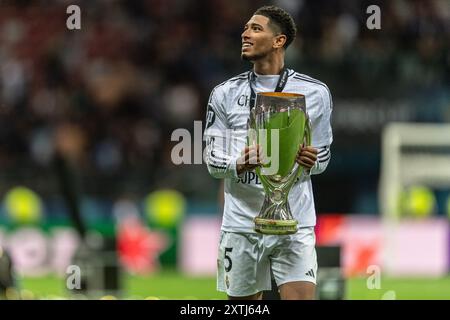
(314, 84)
(233, 82)
(309, 81)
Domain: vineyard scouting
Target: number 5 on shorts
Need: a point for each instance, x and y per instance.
(230, 263)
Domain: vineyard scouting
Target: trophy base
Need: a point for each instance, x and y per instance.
(276, 227)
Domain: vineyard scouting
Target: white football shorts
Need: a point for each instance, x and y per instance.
(245, 259)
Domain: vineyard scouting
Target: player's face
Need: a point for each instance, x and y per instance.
(257, 38)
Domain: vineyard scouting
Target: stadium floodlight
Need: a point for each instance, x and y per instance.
(412, 154)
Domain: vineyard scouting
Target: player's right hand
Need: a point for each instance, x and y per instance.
(250, 159)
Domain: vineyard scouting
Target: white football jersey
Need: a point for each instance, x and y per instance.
(226, 136)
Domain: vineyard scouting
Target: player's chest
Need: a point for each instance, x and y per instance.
(239, 108)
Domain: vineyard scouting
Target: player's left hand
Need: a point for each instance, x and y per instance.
(307, 156)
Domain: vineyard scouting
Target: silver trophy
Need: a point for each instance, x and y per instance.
(280, 125)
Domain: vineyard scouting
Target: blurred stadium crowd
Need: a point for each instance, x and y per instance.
(108, 96)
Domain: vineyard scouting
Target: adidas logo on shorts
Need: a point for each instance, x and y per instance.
(310, 273)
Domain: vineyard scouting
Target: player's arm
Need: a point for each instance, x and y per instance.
(218, 139)
(316, 159)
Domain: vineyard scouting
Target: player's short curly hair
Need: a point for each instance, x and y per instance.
(281, 20)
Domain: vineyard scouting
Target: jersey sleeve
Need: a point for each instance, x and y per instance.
(217, 136)
(322, 134)
(323, 158)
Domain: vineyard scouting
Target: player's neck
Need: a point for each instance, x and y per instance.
(270, 65)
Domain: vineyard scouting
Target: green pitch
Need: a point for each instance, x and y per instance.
(172, 285)
(164, 285)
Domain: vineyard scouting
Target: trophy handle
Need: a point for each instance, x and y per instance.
(308, 132)
(307, 139)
